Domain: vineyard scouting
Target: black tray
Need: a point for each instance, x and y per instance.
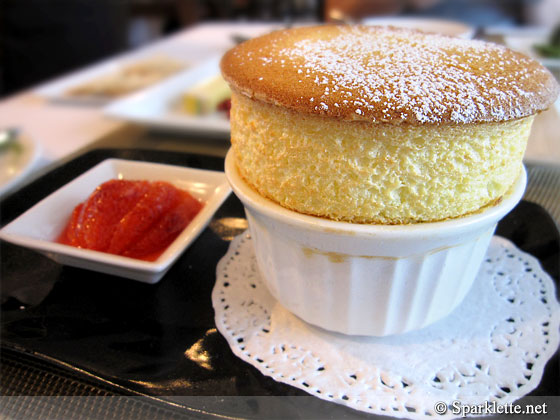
(135, 336)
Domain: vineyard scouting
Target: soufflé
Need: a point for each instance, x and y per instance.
(378, 125)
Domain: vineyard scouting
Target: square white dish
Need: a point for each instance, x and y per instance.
(39, 226)
(158, 106)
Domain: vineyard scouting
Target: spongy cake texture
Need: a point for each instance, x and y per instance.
(374, 173)
(347, 123)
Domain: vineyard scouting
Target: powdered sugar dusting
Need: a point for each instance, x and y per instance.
(421, 78)
(382, 74)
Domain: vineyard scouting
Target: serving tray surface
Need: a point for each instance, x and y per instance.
(161, 340)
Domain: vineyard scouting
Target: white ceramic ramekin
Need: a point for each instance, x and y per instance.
(367, 279)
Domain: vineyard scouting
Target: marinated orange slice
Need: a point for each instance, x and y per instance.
(138, 219)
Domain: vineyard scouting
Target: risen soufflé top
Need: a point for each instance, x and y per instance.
(390, 75)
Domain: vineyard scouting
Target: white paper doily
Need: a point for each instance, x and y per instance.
(493, 347)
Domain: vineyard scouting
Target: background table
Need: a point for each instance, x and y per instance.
(65, 132)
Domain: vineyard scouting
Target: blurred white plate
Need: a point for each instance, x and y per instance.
(17, 161)
(158, 106)
(442, 26)
(40, 226)
(57, 90)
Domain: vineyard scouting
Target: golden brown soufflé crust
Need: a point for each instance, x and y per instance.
(381, 125)
(391, 75)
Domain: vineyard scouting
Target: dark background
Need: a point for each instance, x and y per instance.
(42, 39)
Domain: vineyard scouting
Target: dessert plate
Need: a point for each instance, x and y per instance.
(17, 161)
(40, 226)
(442, 26)
(116, 72)
(159, 106)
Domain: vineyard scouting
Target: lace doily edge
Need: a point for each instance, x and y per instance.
(511, 397)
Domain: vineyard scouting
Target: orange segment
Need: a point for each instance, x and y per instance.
(160, 198)
(109, 203)
(162, 233)
(138, 219)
